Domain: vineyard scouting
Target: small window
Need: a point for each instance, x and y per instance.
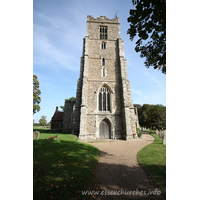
(103, 32)
(103, 62)
(103, 72)
(103, 45)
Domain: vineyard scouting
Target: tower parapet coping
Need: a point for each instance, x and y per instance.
(102, 19)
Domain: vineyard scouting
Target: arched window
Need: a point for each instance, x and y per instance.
(104, 99)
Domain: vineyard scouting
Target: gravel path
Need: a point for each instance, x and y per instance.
(118, 169)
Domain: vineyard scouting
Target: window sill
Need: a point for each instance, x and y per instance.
(104, 112)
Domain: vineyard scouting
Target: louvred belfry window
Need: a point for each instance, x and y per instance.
(103, 32)
(104, 99)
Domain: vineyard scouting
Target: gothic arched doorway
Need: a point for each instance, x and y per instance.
(104, 130)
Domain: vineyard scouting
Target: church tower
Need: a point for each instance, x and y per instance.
(103, 107)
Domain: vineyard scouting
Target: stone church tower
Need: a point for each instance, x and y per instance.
(103, 107)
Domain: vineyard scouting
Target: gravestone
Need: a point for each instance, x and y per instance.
(157, 131)
(164, 140)
(36, 135)
(161, 135)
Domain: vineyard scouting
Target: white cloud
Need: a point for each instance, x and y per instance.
(53, 42)
(148, 96)
(158, 82)
(137, 92)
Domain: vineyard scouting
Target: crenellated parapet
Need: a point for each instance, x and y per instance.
(102, 19)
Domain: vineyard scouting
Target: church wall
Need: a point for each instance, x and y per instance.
(95, 69)
(67, 116)
(92, 97)
(119, 127)
(91, 124)
(95, 50)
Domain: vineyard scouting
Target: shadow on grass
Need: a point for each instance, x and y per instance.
(115, 177)
(61, 169)
(42, 130)
(64, 167)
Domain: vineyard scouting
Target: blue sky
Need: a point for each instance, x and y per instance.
(58, 31)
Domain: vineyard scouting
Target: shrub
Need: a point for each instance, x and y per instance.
(138, 130)
(140, 134)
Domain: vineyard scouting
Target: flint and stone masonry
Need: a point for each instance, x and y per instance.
(103, 107)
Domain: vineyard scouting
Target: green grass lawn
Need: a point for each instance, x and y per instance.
(153, 160)
(63, 167)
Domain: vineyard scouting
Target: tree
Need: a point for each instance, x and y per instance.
(148, 21)
(70, 99)
(49, 124)
(157, 116)
(43, 121)
(152, 115)
(143, 115)
(36, 93)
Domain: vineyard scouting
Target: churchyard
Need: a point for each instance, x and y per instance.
(152, 158)
(62, 166)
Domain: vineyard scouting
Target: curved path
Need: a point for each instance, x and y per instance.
(119, 171)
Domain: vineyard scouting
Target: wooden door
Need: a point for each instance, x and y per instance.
(104, 130)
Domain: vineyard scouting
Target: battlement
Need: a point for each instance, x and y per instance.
(111, 30)
(102, 19)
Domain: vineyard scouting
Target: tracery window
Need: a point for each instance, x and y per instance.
(104, 99)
